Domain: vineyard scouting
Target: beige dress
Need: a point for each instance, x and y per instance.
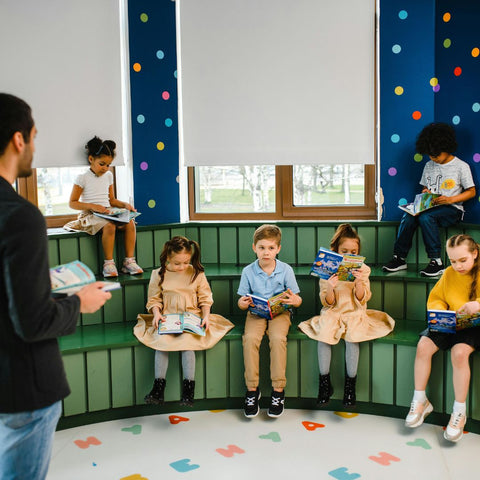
(179, 294)
(348, 317)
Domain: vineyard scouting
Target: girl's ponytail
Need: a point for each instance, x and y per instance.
(344, 230)
(196, 263)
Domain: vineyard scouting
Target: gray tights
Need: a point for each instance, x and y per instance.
(352, 352)
(188, 364)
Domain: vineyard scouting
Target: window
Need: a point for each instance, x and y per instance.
(282, 192)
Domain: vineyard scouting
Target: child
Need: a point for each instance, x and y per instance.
(178, 286)
(266, 277)
(458, 289)
(446, 175)
(344, 315)
(93, 192)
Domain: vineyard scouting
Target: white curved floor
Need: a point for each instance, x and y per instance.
(224, 444)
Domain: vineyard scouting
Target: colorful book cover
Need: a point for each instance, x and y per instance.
(449, 321)
(268, 308)
(422, 202)
(118, 215)
(327, 263)
(181, 322)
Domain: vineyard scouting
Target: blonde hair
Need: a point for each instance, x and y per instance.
(344, 230)
(472, 246)
(267, 232)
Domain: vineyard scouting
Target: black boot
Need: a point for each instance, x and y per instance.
(155, 397)
(325, 390)
(349, 398)
(188, 392)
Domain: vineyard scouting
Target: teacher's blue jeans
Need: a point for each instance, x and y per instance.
(26, 440)
(430, 222)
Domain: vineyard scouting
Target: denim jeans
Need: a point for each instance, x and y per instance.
(430, 222)
(26, 440)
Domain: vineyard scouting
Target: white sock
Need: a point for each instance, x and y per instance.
(109, 261)
(460, 407)
(438, 260)
(419, 396)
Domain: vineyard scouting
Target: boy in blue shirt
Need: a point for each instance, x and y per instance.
(265, 278)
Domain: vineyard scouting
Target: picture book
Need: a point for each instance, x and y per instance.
(327, 263)
(422, 202)
(449, 321)
(72, 277)
(181, 322)
(268, 308)
(118, 215)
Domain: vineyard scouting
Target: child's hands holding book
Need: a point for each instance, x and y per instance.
(470, 308)
(205, 321)
(245, 302)
(157, 317)
(290, 298)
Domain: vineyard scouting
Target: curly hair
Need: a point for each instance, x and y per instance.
(472, 246)
(436, 138)
(96, 147)
(344, 230)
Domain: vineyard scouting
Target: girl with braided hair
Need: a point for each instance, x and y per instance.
(458, 289)
(178, 286)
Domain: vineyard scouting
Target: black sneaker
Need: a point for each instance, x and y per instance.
(395, 264)
(251, 407)
(432, 269)
(276, 404)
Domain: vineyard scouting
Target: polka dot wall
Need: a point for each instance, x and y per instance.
(153, 81)
(429, 71)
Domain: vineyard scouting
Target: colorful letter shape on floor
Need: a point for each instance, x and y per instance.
(184, 465)
(230, 451)
(135, 476)
(273, 436)
(346, 414)
(384, 458)
(86, 443)
(135, 429)
(311, 426)
(342, 474)
(174, 419)
(420, 442)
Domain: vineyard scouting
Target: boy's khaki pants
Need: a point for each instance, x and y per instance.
(277, 330)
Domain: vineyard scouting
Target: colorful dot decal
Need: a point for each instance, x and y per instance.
(476, 157)
(160, 54)
(144, 166)
(402, 14)
(137, 67)
(175, 74)
(418, 157)
(144, 17)
(447, 17)
(140, 118)
(392, 171)
(165, 95)
(151, 203)
(160, 146)
(399, 90)
(402, 201)
(395, 138)
(433, 81)
(447, 43)
(417, 115)
(456, 120)
(457, 72)
(168, 122)
(396, 49)
(476, 107)
(436, 88)
(475, 52)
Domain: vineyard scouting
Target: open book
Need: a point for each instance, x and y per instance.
(181, 322)
(449, 321)
(328, 262)
(118, 215)
(268, 307)
(422, 202)
(72, 277)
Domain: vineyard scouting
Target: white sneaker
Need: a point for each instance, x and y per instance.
(454, 430)
(418, 412)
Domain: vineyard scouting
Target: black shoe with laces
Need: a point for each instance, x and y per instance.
(188, 393)
(325, 390)
(349, 397)
(251, 407)
(432, 269)
(156, 396)
(395, 264)
(276, 404)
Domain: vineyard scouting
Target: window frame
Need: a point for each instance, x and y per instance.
(284, 207)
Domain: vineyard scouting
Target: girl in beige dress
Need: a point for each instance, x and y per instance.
(344, 315)
(178, 286)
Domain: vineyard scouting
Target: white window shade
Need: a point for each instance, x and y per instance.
(64, 59)
(276, 81)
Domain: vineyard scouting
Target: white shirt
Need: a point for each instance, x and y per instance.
(95, 189)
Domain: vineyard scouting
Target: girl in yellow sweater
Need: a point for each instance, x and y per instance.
(458, 289)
